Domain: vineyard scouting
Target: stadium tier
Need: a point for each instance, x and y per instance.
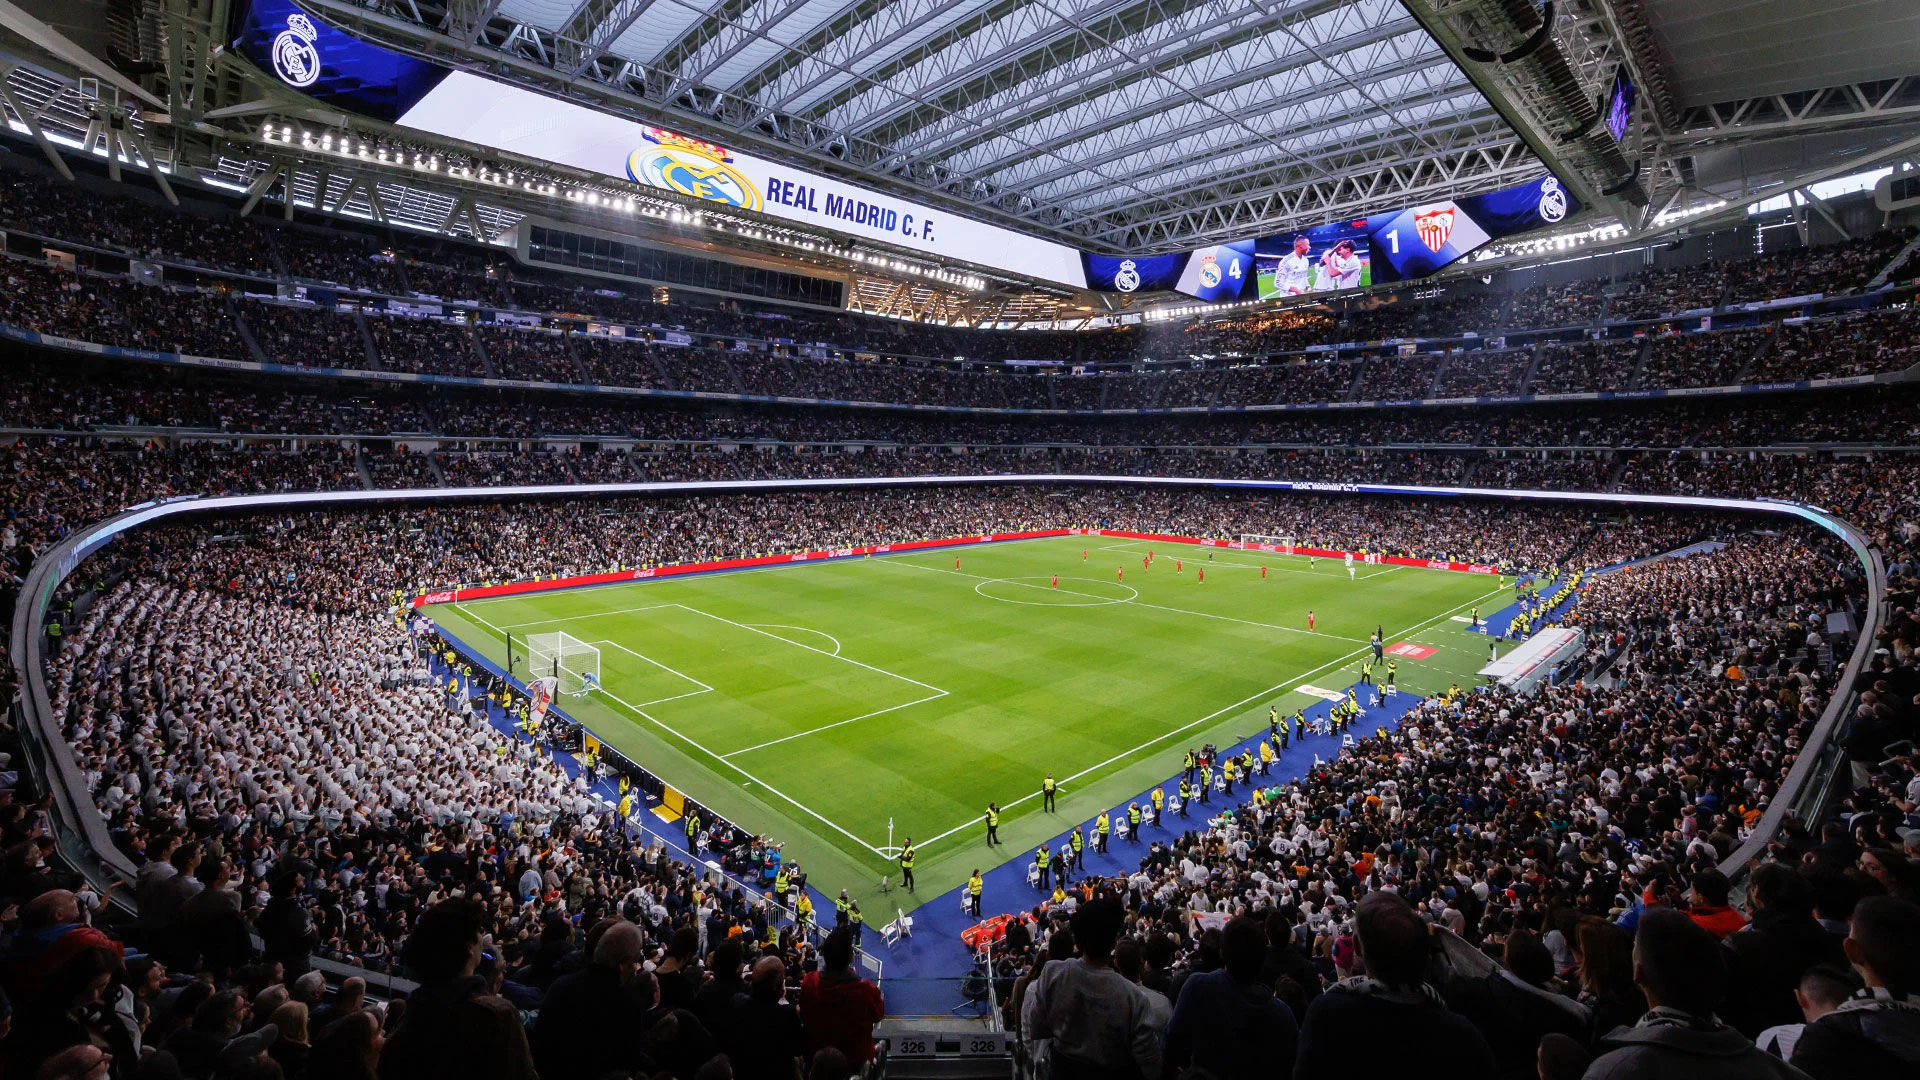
(828, 541)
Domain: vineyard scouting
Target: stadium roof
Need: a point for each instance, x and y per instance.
(1125, 126)
(1118, 124)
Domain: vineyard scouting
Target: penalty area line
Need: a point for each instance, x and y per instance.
(777, 793)
(1402, 634)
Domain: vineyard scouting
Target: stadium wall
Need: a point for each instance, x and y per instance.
(82, 837)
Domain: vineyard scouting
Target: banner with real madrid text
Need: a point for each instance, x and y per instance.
(489, 113)
(330, 65)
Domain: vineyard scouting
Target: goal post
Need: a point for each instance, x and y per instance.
(1280, 543)
(573, 662)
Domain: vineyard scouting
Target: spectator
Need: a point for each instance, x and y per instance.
(1227, 1023)
(1767, 959)
(1684, 975)
(766, 1040)
(77, 1063)
(52, 930)
(1516, 1006)
(1391, 1015)
(453, 1030)
(1876, 1032)
(1707, 904)
(1096, 1022)
(592, 1021)
(349, 1049)
(1821, 991)
(1604, 954)
(838, 1008)
(291, 1050)
(216, 1023)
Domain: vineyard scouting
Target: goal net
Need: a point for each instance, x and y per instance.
(566, 658)
(1279, 543)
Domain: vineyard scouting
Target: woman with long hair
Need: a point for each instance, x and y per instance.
(1603, 954)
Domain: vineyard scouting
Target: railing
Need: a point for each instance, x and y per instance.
(1805, 793)
(80, 831)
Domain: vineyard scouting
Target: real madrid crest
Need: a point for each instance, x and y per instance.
(691, 167)
(1210, 271)
(1127, 278)
(1553, 200)
(295, 57)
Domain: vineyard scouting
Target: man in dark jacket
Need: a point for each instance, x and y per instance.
(1389, 1022)
(453, 1028)
(1877, 1032)
(766, 1041)
(591, 1021)
(1782, 943)
(1227, 1022)
(287, 928)
(1683, 972)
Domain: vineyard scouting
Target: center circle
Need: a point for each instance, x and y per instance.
(1039, 591)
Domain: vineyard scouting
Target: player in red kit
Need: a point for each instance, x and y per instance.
(1263, 573)
(1177, 564)
(1119, 573)
(1056, 581)
(956, 562)
(1309, 620)
(1203, 575)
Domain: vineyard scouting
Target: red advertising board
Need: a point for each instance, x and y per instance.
(446, 596)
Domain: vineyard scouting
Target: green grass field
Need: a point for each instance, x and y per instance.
(816, 702)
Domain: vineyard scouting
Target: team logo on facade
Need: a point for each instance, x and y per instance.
(1210, 272)
(1127, 278)
(1553, 200)
(295, 57)
(1434, 226)
(691, 167)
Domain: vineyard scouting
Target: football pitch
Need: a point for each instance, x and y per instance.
(821, 702)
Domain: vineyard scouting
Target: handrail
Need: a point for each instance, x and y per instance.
(1801, 775)
(81, 831)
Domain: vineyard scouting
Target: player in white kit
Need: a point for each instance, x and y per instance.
(1293, 275)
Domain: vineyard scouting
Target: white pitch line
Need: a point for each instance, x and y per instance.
(777, 793)
(676, 697)
(802, 629)
(837, 723)
(655, 663)
(809, 811)
(571, 618)
(1143, 604)
(972, 822)
(811, 649)
(496, 629)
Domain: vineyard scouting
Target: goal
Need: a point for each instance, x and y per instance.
(1282, 543)
(572, 661)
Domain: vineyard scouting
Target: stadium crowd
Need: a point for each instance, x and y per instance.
(285, 779)
(1499, 886)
